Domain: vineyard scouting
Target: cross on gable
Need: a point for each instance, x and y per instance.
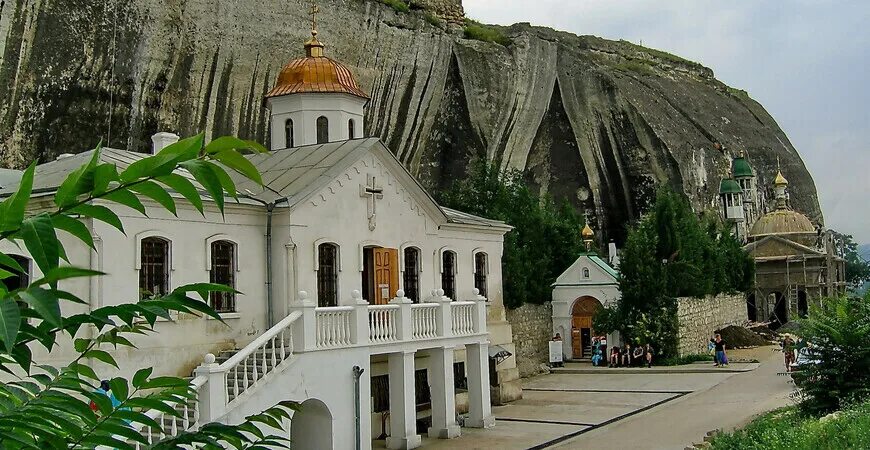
(374, 193)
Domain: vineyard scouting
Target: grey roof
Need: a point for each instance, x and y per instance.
(455, 216)
(9, 177)
(293, 174)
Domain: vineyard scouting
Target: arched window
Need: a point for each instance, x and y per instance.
(585, 272)
(411, 274)
(327, 275)
(223, 271)
(20, 278)
(154, 267)
(480, 272)
(351, 129)
(322, 130)
(288, 133)
(448, 274)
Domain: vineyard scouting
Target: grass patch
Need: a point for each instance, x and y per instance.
(486, 33)
(659, 53)
(737, 92)
(432, 19)
(787, 428)
(397, 5)
(636, 66)
(683, 360)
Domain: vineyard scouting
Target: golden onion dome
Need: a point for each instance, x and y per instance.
(785, 223)
(587, 232)
(315, 73)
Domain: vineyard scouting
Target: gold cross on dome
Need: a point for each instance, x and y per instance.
(314, 11)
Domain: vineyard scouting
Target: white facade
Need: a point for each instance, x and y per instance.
(589, 278)
(341, 112)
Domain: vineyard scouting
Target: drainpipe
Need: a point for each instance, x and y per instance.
(357, 373)
(270, 320)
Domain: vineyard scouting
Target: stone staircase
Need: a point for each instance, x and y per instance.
(251, 369)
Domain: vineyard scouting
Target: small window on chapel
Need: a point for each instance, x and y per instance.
(327, 275)
(351, 129)
(223, 271)
(288, 133)
(448, 274)
(480, 273)
(322, 130)
(154, 267)
(585, 272)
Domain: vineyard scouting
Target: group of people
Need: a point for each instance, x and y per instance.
(628, 357)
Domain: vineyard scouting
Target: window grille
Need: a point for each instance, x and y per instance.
(412, 274)
(327, 275)
(448, 274)
(480, 273)
(154, 267)
(288, 133)
(223, 265)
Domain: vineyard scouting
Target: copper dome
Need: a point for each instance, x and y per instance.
(315, 74)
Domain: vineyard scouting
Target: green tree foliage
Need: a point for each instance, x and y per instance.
(47, 407)
(671, 253)
(857, 268)
(546, 236)
(838, 331)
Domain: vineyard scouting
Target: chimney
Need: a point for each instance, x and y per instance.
(162, 140)
(612, 254)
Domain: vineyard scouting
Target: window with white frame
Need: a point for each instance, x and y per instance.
(585, 272)
(153, 266)
(223, 271)
(288, 133)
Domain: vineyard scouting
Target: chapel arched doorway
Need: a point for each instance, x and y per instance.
(311, 426)
(581, 326)
(802, 304)
(751, 308)
(779, 315)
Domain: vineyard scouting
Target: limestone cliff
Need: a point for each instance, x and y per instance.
(598, 122)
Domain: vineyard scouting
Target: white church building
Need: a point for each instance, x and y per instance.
(361, 296)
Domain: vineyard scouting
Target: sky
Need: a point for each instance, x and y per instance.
(806, 61)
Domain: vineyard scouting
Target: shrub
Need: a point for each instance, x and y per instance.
(546, 236)
(432, 19)
(636, 66)
(788, 429)
(486, 33)
(838, 332)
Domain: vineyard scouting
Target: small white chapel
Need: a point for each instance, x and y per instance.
(361, 297)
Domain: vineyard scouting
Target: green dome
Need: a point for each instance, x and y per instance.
(729, 186)
(740, 168)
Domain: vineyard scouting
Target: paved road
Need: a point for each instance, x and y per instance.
(676, 424)
(629, 411)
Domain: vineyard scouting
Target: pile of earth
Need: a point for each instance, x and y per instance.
(765, 332)
(736, 336)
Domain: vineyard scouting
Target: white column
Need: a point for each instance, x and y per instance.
(361, 331)
(479, 407)
(213, 396)
(403, 410)
(403, 318)
(305, 336)
(441, 387)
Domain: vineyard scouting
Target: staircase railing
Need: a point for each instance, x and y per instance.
(173, 425)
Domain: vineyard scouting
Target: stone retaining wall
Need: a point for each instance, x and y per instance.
(700, 317)
(532, 327)
(449, 10)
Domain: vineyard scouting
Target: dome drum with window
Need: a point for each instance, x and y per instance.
(315, 100)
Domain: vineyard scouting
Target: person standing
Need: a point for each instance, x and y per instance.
(719, 346)
(649, 355)
(788, 352)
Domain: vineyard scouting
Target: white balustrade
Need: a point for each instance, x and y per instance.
(258, 358)
(382, 323)
(424, 321)
(463, 318)
(171, 425)
(334, 327)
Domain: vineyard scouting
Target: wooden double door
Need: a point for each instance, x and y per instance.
(380, 276)
(581, 326)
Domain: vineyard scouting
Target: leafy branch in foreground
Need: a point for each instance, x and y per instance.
(48, 407)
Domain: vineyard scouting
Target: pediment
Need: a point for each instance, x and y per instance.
(587, 269)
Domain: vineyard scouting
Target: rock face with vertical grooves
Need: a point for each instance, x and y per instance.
(598, 122)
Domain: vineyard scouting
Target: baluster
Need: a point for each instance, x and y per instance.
(254, 367)
(275, 349)
(283, 349)
(185, 419)
(265, 365)
(174, 425)
(235, 382)
(333, 324)
(245, 374)
(319, 330)
(373, 325)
